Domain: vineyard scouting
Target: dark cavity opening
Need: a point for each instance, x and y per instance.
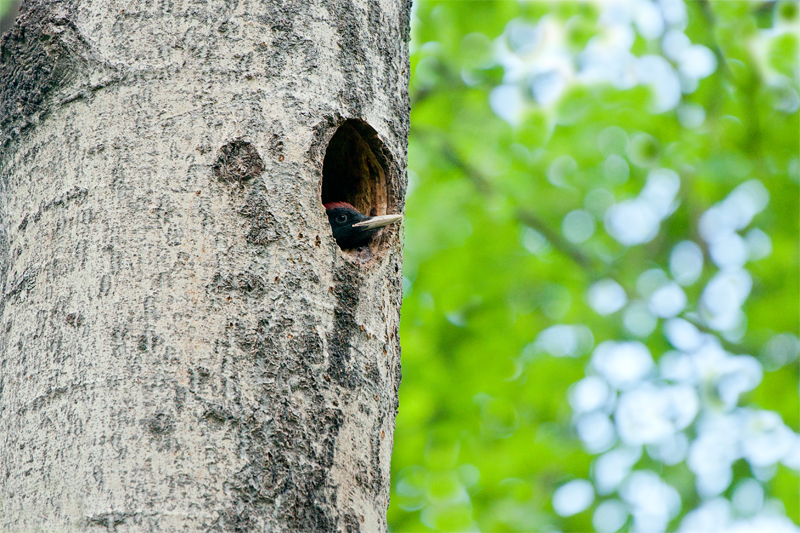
(355, 169)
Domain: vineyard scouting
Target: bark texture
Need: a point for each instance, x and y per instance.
(183, 346)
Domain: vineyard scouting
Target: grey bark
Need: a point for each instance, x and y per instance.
(183, 346)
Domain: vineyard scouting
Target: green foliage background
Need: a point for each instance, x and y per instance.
(485, 432)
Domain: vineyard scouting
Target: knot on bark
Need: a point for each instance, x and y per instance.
(238, 161)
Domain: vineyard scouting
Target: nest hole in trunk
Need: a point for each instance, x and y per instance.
(355, 169)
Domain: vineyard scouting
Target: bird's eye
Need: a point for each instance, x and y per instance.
(341, 219)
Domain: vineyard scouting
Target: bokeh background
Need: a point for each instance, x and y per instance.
(600, 317)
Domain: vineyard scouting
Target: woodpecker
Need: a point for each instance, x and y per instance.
(351, 228)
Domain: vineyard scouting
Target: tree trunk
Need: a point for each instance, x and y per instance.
(183, 346)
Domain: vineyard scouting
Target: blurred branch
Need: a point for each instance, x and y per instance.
(447, 80)
(420, 96)
(559, 243)
(711, 21)
(522, 215)
(749, 86)
(715, 100)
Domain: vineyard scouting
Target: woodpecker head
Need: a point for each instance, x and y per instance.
(351, 228)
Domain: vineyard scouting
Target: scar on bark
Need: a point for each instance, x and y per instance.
(238, 161)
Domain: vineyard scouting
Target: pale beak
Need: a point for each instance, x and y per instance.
(378, 222)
